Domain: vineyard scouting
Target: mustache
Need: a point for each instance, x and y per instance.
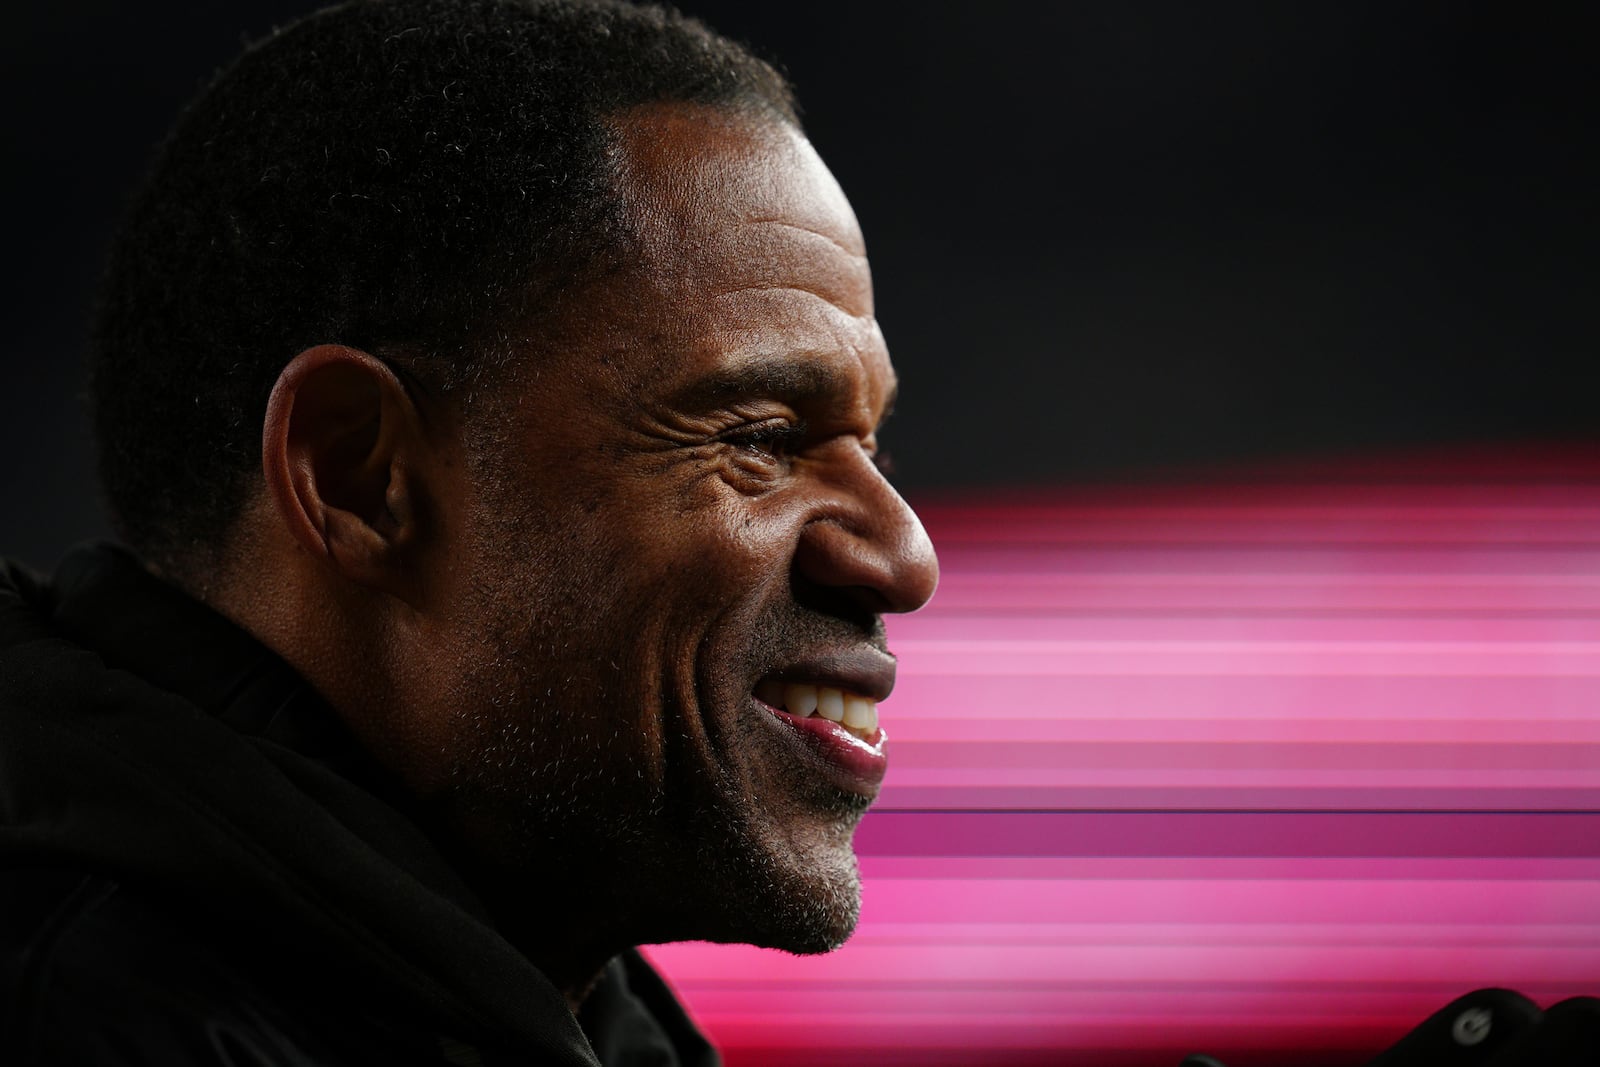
(793, 634)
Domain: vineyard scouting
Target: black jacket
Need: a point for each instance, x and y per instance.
(198, 866)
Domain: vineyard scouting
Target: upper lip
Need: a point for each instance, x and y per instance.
(862, 670)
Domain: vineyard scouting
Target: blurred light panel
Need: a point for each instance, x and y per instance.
(1270, 767)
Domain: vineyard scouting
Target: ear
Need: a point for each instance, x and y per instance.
(342, 452)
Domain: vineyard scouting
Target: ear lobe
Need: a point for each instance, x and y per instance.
(339, 448)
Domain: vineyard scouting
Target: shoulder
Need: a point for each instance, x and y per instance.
(94, 973)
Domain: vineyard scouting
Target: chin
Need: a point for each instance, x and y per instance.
(819, 918)
(803, 899)
(808, 925)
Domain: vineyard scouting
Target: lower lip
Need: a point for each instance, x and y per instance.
(861, 763)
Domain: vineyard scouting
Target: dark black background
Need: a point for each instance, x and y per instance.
(1110, 238)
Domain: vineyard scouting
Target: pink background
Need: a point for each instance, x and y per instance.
(1269, 765)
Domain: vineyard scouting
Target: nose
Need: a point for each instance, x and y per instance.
(864, 541)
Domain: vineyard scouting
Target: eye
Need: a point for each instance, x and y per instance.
(883, 459)
(776, 438)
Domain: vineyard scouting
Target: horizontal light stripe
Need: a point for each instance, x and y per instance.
(1221, 560)
(1048, 659)
(1248, 755)
(912, 730)
(1345, 796)
(1283, 698)
(1204, 834)
(1342, 635)
(1376, 869)
(1168, 903)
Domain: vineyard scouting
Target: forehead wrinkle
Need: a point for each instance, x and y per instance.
(854, 251)
(785, 287)
(766, 259)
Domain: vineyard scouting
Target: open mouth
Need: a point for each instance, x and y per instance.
(856, 713)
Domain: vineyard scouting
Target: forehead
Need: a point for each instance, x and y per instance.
(747, 244)
(685, 166)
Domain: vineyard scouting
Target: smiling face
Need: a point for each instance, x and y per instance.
(677, 545)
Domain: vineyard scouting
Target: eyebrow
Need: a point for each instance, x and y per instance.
(798, 382)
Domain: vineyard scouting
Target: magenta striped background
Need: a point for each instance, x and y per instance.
(1270, 764)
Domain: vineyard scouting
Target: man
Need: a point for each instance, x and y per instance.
(490, 392)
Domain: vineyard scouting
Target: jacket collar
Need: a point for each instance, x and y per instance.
(105, 599)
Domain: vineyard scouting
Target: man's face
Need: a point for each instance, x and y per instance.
(679, 541)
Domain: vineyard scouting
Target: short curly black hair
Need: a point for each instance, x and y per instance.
(406, 176)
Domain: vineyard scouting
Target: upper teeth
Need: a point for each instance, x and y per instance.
(856, 713)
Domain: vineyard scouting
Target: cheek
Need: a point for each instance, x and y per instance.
(708, 543)
(741, 566)
(715, 581)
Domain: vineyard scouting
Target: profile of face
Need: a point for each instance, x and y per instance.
(676, 542)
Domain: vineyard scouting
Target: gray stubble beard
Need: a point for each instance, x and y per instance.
(563, 799)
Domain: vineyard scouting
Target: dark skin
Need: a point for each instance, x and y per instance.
(548, 623)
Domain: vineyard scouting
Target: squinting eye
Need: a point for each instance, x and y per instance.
(775, 438)
(883, 459)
